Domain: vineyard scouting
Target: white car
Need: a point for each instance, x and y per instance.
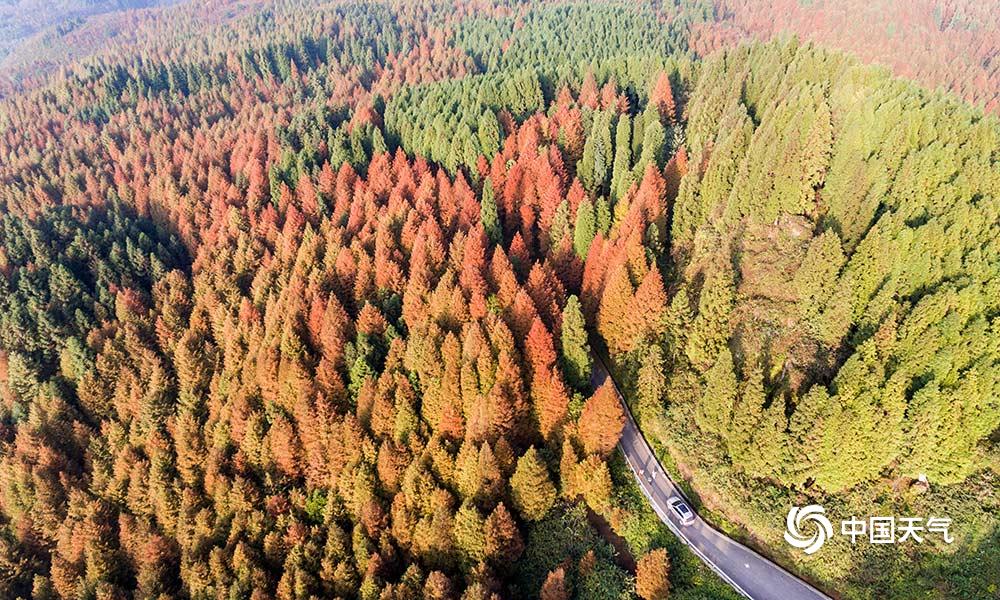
(681, 510)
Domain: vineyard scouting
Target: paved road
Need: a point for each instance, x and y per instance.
(750, 573)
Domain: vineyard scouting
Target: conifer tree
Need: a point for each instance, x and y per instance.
(438, 586)
(746, 437)
(551, 402)
(651, 382)
(575, 348)
(554, 587)
(503, 541)
(710, 328)
(595, 164)
(560, 225)
(662, 97)
(602, 421)
(531, 489)
(469, 534)
(488, 132)
(805, 434)
(594, 482)
(621, 174)
(584, 229)
(771, 451)
(715, 409)
(654, 141)
(567, 470)
(816, 277)
(489, 214)
(675, 170)
(649, 306)
(602, 215)
(652, 576)
(467, 474)
(616, 310)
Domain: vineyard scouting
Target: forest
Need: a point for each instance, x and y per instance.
(302, 299)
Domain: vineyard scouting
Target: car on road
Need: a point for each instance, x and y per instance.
(681, 510)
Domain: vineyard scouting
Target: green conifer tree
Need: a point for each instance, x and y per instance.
(654, 141)
(584, 229)
(602, 215)
(470, 537)
(716, 406)
(621, 174)
(575, 349)
(710, 328)
(490, 215)
(593, 167)
(488, 131)
(531, 489)
(560, 224)
(652, 381)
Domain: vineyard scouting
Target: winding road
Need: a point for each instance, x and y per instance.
(748, 572)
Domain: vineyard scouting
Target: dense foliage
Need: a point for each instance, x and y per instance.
(298, 300)
(858, 286)
(834, 255)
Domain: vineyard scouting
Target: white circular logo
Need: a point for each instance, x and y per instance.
(793, 528)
